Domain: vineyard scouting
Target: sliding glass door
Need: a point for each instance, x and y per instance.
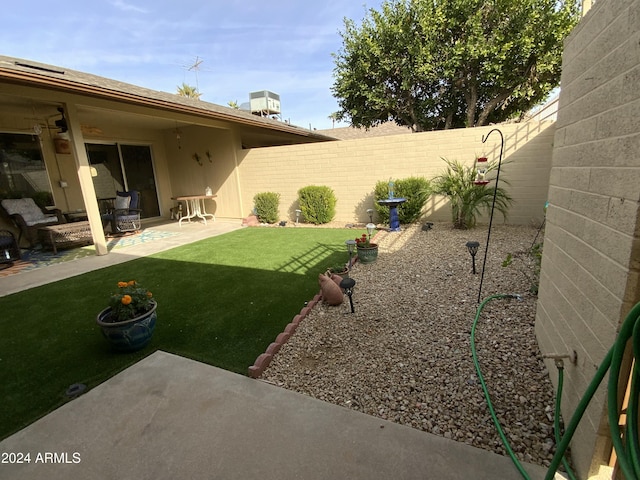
(117, 168)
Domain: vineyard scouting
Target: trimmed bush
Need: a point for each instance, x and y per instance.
(415, 189)
(318, 204)
(267, 206)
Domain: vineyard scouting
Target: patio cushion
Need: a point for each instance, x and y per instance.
(28, 210)
(133, 196)
(122, 203)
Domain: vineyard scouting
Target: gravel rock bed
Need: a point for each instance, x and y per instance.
(405, 354)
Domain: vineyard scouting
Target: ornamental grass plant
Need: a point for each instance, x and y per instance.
(468, 200)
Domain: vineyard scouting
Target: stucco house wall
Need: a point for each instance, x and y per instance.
(176, 171)
(352, 168)
(216, 170)
(590, 267)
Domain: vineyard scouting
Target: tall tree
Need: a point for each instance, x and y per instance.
(436, 64)
(185, 90)
(333, 117)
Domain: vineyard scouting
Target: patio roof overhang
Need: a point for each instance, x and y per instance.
(254, 131)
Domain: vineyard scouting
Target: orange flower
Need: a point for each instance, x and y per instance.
(131, 283)
(122, 284)
(149, 294)
(126, 299)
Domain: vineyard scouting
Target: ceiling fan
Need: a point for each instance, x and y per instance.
(61, 125)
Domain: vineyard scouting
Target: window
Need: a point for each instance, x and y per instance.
(22, 169)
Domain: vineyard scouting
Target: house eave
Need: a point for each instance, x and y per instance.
(36, 75)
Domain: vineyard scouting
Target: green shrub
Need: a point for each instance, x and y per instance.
(267, 206)
(415, 189)
(318, 204)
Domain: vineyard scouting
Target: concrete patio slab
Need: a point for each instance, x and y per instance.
(168, 417)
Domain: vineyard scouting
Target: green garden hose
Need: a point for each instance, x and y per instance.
(496, 422)
(628, 454)
(556, 417)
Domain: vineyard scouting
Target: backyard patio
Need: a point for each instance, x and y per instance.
(403, 356)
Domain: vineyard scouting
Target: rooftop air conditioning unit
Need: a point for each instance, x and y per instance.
(264, 103)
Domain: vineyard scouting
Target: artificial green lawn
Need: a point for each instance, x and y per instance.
(222, 301)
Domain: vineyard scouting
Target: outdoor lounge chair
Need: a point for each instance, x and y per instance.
(28, 217)
(122, 212)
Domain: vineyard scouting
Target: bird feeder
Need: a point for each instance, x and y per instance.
(481, 171)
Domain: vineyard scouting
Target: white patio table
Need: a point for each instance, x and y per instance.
(195, 207)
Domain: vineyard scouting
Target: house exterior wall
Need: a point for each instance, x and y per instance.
(352, 168)
(590, 267)
(122, 134)
(217, 171)
(63, 166)
(176, 172)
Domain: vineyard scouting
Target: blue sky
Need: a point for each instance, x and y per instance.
(284, 46)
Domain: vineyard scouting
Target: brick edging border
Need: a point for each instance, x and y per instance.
(264, 359)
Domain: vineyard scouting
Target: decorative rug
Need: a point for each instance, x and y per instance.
(37, 258)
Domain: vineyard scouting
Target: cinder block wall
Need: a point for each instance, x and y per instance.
(589, 278)
(352, 168)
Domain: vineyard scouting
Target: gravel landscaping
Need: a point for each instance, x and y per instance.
(405, 354)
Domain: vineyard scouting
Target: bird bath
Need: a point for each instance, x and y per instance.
(392, 203)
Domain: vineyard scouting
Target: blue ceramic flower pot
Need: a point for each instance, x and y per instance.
(130, 335)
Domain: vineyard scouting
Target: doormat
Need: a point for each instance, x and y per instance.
(38, 258)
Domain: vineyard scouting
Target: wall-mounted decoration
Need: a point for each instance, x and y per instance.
(208, 154)
(196, 157)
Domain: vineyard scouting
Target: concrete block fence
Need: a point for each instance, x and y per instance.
(353, 167)
(591, 263)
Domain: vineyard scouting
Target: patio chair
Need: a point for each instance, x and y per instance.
(122, 212)
(28, 217)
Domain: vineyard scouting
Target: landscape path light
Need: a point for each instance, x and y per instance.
(370, 229)
(370, 213)
(351, 247)
(473, 249)
(347, 285)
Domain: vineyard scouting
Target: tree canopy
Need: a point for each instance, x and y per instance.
(437, 64)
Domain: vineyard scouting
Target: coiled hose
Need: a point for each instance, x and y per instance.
(628, 452)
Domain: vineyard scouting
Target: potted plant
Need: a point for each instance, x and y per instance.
(339, 269)
(129, 320)
(367, 251)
